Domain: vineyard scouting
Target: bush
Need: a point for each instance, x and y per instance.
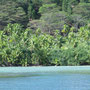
(20, 47)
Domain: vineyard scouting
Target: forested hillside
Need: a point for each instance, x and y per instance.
(47, 15)
(44, 32)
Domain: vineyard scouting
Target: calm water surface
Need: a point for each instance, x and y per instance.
(45, 80)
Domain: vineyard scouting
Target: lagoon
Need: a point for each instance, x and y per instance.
(45, 78)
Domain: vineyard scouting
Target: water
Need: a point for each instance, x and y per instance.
(45, 78)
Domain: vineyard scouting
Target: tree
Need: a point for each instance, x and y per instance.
(64, 5)
(82, 1)
(10, 12)
(76, 21)
(30, 7)
(46, 8)
(69, 9)
(82, 9)
(68, 5)
(53, 21)
(33, 8)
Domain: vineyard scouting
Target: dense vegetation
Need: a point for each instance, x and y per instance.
(44, 32)
(24, 47)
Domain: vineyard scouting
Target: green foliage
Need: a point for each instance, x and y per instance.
(83, 9)
(11, 13)
(48, 32)
(49, 22)
(33, 8)
(30, 7)
(82, 1)
(20, 47)
(48, 8)
(76, 21)
(64, 5)
(25, 12)
(13, 48)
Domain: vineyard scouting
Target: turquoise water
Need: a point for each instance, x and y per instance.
(45, 78)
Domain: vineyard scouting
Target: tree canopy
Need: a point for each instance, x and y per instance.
(44, 32)
(24, 11)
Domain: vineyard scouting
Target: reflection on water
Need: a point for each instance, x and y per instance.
(65, 80)
(16, 75)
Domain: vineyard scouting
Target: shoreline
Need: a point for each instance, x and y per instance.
(45, 66)
(11, 72)
(43, 69)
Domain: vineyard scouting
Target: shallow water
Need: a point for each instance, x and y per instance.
(45, 78)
